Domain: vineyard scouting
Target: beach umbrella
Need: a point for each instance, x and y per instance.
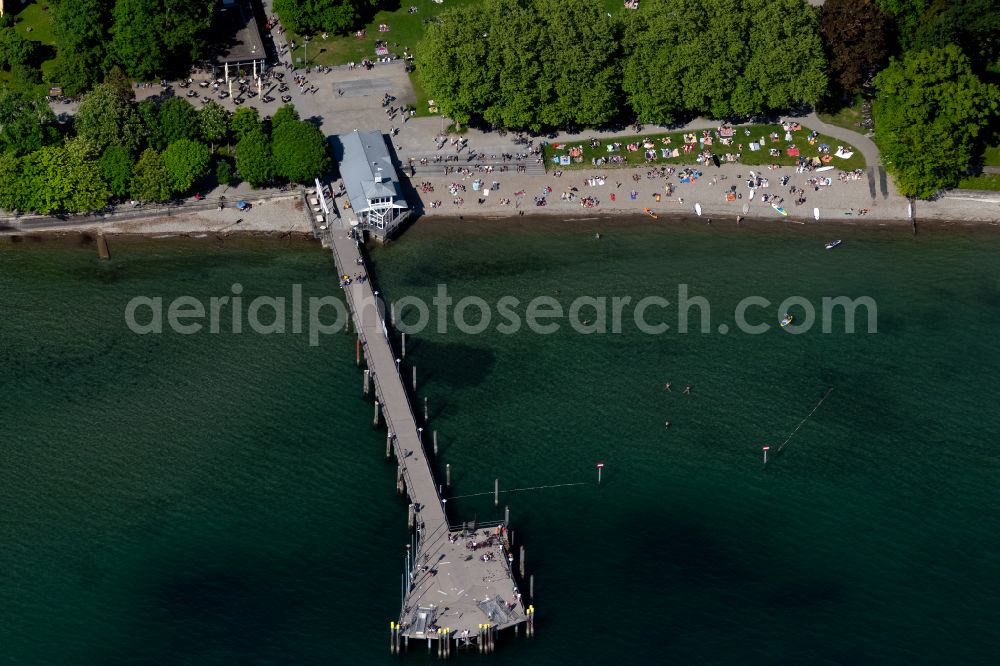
(242, 205)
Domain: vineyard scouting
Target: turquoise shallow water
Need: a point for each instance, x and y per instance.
(218, 499)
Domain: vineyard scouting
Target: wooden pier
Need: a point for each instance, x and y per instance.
(458, 588)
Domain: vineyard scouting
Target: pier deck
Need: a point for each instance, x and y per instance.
(450, 586)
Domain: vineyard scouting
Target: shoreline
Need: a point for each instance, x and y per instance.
(515, 198)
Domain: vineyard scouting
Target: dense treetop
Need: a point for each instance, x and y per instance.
(553, 63)
(930, 111)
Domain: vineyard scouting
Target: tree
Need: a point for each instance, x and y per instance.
(178, 119)
(856, 37)
(149, 116)
(448, 60)
(286, 112)
(26, 122)
(154, 38)
(253, 159)
(150, 180)
(224, 172)
(579, 54)
(771, 79)
(11, 187)
(722, 59)
(245, 121)
(107, 116)
(18, 55)
(80, 35)
(61, 179)
(300, 151)
(313, 16)
(974, 25)
(186, 162)
(116, 168)
(213, 123)
(930, 111)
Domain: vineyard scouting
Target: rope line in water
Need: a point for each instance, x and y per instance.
(802, 422)
(514, 490)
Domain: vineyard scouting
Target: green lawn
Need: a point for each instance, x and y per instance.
(34, 23)
(991, 156)
(760, 157)
(848, 117)
(986, 181)
(405, 30)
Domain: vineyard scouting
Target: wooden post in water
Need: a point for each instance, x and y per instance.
(510, 539)
(425, 409)
(357, 352)
(367, 379)
(375, 422)
(392, 314)
(531, 588)
(410, 516)
(447, 475)
(388, 445)
(496, 492)
(102, 247)
(506, 516)
(435, 443)
(414, 379)
(521, 562)
(402, 344)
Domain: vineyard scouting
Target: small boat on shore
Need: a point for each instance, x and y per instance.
(832, 244)
(780, 210)
(786, 320)
(649, 211)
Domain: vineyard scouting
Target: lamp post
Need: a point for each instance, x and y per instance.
(305, 49)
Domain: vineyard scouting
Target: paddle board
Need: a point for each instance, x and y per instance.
(824, 168)
(697, 208)
(816, 213)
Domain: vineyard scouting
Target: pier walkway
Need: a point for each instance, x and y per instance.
(458, 588)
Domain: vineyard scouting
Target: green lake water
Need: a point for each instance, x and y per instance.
(220, 498)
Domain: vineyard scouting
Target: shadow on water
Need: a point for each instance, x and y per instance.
(455, 364)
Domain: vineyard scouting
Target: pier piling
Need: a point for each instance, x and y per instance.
(402, 345)
(521, 563)
(392, 314)
(435, 443)
(531, 588)
(375, 421)
(388, 445)
(102, 247)
(426, 411)
(357, 352)
(506, 516)
(447, 475)
(367, 380)
(414, 378)
(496, 492)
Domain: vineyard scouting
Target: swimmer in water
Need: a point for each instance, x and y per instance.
(666, 425)
(666, 387)
(687, 390)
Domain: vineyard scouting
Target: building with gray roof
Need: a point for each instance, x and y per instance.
(371, 181)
